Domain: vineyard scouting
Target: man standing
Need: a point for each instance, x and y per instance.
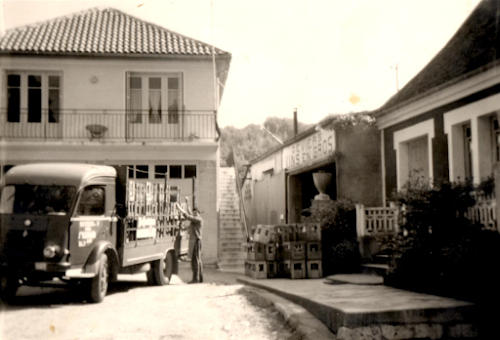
(195, 234)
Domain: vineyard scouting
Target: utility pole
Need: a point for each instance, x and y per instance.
(397, 76)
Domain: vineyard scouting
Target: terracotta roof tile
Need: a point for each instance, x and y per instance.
(100, 31)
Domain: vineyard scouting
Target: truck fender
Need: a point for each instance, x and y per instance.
(92, 264)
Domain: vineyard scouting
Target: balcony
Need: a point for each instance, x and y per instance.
(110, 125)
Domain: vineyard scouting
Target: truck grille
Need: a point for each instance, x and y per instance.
(24, 245)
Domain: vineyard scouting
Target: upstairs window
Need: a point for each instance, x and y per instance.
(151, 96)
(33, 97)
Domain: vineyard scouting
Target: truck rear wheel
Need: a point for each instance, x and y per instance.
(8, 288)
(99, 284)
(161, 270)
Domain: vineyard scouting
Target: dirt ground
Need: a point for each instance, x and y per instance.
(217, 309)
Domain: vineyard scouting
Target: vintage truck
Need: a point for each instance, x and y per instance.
(85, 224)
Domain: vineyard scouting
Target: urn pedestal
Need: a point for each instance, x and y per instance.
(321, 182)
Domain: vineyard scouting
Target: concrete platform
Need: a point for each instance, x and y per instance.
(353, 307)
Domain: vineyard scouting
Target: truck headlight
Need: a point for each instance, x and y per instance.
(49, 252)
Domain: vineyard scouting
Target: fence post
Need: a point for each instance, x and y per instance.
(496, 174)
(360, 220)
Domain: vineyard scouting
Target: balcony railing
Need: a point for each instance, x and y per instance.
(109, 125)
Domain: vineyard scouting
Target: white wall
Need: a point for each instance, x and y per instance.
(109, 90)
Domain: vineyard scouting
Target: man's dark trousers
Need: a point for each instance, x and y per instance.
(196, 262)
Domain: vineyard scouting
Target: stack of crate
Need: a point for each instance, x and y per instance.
(314, 256)
(289, 251)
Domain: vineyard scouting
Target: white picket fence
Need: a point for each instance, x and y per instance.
(383, 221)
(376, 221)
(484, 211)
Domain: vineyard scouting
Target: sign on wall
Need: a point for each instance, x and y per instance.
(309, 150)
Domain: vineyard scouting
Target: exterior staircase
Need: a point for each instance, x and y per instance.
(232, 238)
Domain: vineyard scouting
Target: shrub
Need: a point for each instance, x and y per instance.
(338, 231)
(438, 249)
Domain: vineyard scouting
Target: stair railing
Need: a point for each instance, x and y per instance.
(238, 186)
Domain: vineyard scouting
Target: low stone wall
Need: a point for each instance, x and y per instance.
(408, 331)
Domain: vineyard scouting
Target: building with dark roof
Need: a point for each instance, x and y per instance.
(101, 86)
(444, 123)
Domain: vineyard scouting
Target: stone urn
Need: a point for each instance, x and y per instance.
(321, 181)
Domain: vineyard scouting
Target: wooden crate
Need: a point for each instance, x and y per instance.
(257, 232)
(256, 269)
(283, 269)
(295, 269)
(313, 232)
(272, 269)
(313, 250)
(289, 233)
(293, 251)
(301, 232)
(256, 251)
(314, 269)
(270, 250)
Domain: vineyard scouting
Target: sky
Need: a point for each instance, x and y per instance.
(317, 56)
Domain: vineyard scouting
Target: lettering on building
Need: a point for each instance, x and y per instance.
(313, 148)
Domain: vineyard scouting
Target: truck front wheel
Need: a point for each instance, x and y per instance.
(161, 270)
(99, 284)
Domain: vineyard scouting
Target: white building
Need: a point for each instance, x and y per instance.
(103, 87)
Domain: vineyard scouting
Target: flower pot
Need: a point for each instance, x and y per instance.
(321, 182)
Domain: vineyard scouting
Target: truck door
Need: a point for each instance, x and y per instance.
(89, 223)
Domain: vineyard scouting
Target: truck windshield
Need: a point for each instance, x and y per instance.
(36, 199)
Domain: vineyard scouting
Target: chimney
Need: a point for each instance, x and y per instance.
(295, 123)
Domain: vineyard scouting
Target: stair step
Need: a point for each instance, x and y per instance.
(231, 261)
(374, 268)
(355, 279)
(232, 256)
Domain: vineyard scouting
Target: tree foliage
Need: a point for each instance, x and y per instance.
(252, 141)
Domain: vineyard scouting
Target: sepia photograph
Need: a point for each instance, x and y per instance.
(249, 170)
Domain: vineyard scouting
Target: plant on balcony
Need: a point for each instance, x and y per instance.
(338, 232)
(438, 249)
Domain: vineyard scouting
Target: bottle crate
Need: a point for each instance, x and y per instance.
(313, 231)
(294, 269)
(256, 251)
(256, 269)
(293, 251)
(314, 269)
(313, 250)
(272, 269)
(270, 250)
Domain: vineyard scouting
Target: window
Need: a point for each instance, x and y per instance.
(495, 137)
(91, 202)
(34, 93)
(467, 151)
(138, 171)
(37, 199)
(175, 171)
(160, 171)
(173, 100)
(150, 94)
(472, 139)
(14, 98)
(413, 147)
(189, 171)
(142, 171)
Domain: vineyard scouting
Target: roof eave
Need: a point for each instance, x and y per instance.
(385, 111)
(129, 55)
